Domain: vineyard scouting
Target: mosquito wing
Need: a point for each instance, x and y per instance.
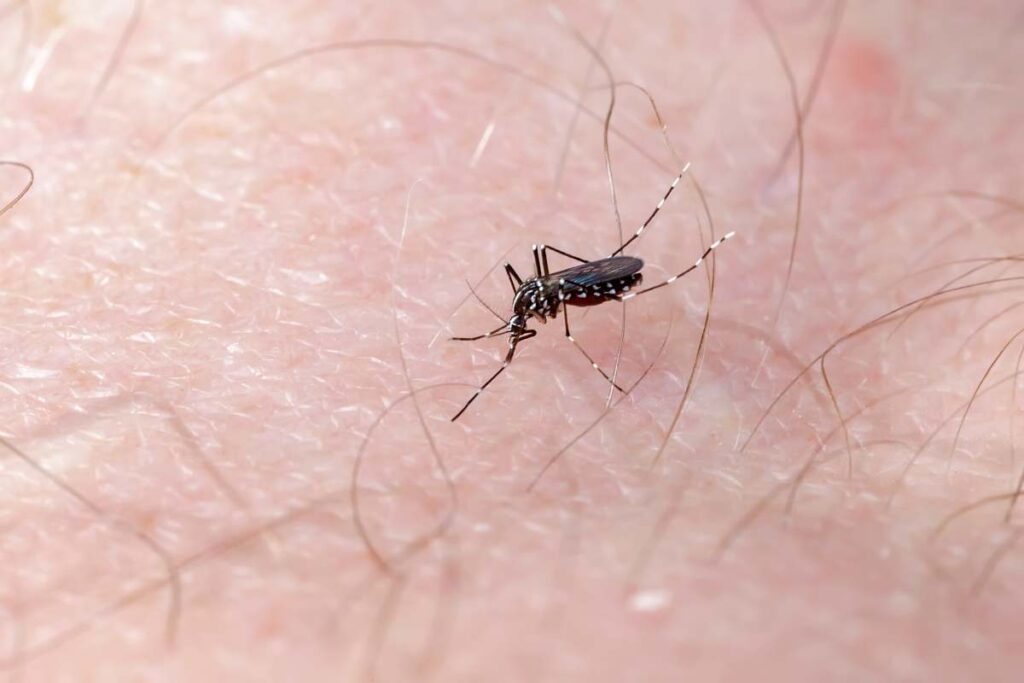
(598, 272)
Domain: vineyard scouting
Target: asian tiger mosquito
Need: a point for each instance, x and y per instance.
(588, 284)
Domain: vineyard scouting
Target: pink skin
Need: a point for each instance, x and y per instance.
(199, 319)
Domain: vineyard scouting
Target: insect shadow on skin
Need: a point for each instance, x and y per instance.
(590, 283)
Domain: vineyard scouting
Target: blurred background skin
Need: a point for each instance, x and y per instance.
(201, 291)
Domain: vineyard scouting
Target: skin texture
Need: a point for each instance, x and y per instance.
(220, 291)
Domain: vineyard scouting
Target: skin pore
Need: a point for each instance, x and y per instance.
(234, 238)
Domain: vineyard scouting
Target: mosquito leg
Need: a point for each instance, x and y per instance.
(568, 335)
(544, 256)
(654, 213)
(536, 262)
(483, 386)
(508, 359)
(714, 245)
(513, 278)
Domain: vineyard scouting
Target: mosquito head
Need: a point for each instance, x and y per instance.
(534, 301)
(518, 331)
(517, 325)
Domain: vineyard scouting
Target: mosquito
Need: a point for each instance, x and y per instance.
(590, 283)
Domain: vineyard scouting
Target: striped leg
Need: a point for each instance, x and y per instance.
(544, 257)
(508, 359)
(714, 245)
(654, 213)
(568, 335)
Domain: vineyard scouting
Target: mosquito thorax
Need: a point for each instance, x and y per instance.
(534, 300)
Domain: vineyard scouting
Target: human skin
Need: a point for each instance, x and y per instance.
(216, 303)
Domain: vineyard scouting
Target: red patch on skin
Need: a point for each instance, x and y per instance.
(863, 67)
(863, 84)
